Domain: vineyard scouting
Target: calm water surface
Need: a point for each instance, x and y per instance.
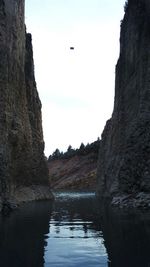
(73, 231)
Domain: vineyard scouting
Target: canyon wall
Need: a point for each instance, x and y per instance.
(23, 170)
(124, 158)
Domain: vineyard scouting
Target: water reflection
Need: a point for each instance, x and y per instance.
(74, 231)
(75, 237)
(23, 236)
(127, 237)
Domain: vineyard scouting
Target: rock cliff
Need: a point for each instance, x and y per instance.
(23, 170)
(124, 159)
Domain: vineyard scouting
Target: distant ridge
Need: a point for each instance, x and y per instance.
(74, 169)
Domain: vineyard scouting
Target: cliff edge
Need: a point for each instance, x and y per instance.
(23, 170)
(124, 159)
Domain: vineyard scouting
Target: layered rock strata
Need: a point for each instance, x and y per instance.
(124, 159)
(22, 162)
(75, 173)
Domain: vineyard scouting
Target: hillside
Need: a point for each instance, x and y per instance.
(75, 169)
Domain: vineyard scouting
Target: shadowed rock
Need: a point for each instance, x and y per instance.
(22, 162)
(124, 160)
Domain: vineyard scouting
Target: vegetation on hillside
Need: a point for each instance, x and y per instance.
(71, 152)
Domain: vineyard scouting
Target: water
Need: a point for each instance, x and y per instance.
(74, 231)
(75, 238)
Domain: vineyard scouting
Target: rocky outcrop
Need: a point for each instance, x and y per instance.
(124, 160)
(22, 162)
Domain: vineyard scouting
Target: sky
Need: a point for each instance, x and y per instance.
(76, 87)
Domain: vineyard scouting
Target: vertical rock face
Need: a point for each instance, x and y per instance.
(124, 160)
(22, 162)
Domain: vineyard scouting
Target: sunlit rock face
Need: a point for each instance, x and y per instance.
(22, 162)
(124, 160)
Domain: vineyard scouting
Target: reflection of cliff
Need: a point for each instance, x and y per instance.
(22, 162)
(80, 212)
(23, 235)
(124, 165)
(127, 238)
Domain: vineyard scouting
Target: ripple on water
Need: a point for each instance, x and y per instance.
(75, 238)
(73, 195)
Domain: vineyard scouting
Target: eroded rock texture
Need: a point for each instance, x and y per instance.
(22, 163)
(124, 160)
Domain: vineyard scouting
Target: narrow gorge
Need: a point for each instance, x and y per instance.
(23, 169)
(124, 158)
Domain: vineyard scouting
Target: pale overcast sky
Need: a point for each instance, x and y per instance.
(76, 87)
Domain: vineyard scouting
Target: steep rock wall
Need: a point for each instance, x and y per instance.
(22, 162)
(124, 159)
